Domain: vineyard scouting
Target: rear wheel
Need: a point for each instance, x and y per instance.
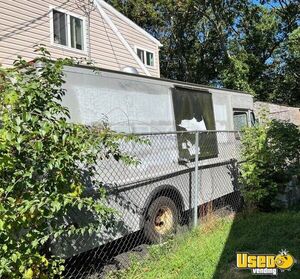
(161, 220)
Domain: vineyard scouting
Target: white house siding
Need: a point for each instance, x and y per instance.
(137, 39)
(25, 23)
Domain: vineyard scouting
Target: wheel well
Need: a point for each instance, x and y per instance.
(167, 191)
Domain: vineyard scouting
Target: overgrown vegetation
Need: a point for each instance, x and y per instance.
(210, 251)
(44, 161)
(271, 152)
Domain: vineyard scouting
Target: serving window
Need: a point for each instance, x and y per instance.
(193, 111)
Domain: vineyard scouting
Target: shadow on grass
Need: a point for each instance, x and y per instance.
(261, 233)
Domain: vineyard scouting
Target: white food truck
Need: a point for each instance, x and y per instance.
(154, 195)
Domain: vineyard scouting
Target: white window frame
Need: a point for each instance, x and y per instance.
(68, 46)
(145, 56)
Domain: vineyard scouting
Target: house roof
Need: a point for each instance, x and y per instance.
(128, 21)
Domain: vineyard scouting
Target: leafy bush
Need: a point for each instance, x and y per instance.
(44, 160)
(271, 152)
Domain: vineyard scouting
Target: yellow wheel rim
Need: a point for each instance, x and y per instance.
(163, 221)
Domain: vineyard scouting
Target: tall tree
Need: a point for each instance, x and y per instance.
(262, 56)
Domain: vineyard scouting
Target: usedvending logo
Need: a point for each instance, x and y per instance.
(265, 264)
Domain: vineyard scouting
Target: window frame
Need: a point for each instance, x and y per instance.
(240, 111)
(145, 56)
(68, 31)
(252, 116)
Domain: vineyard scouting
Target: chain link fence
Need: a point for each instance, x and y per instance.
(180, 179)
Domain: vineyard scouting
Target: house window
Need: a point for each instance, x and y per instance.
(68, 30)
(141, 55)
(76, 26)
(60, 28)
(147, 57)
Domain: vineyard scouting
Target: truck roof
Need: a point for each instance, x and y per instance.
(180, 83)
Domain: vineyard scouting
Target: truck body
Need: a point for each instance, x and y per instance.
(167, 113)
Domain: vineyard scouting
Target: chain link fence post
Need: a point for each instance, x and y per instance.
(196, 191)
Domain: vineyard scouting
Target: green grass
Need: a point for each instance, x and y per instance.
(209, 252)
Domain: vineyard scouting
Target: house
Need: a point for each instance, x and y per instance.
(76, 28)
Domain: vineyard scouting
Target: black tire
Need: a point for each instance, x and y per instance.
(161, 220)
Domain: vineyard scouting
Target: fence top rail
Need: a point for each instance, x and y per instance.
(183, 132)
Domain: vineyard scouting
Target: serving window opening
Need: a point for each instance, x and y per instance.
(193, 111)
